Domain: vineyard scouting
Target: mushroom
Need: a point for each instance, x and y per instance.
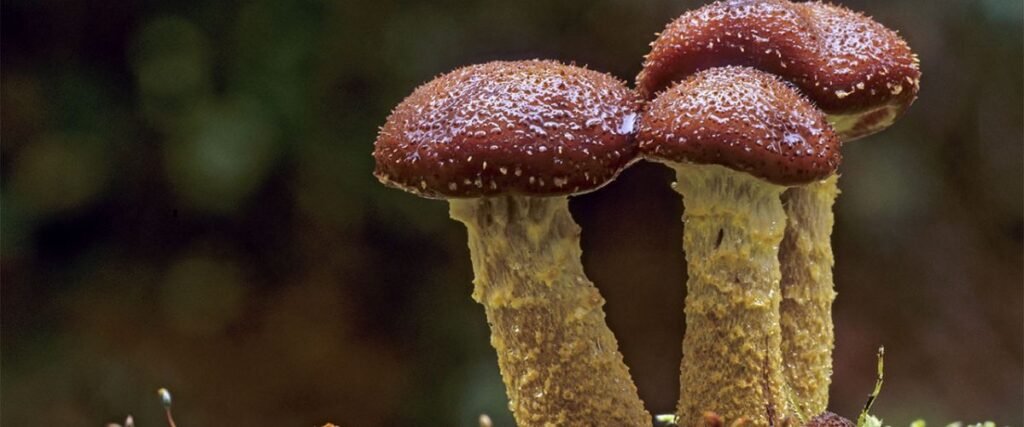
(862, 74)
(736, 137)
(829, 419)
(506, 143)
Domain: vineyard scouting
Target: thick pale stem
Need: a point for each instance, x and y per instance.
(559, 360)
(732, 364)
(807, 295)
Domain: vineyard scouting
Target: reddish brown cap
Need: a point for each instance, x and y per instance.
(857, 70)
(744, 119)
(527, 127)
(829, 419)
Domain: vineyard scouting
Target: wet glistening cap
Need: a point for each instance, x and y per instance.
(743, 119)
(524, 127)
(862, 74)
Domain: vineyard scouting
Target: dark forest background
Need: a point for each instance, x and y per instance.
(187, 201)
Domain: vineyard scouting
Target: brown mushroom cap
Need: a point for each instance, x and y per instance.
(744, 119)
(527, 127)
(847, 63)
(829, 419)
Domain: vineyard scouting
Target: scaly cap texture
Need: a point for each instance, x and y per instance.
(858, 71)
(528, 127)
(743, 119)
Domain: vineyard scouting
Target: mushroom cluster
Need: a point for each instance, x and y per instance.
(749, 102)
(859, 73)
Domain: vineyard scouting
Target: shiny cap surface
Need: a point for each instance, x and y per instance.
(526, 127)
(858, 71)
(743, 119)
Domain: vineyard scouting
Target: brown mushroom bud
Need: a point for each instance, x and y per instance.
(862, 74)
(505, 142)
(829, 419)
(736, 138)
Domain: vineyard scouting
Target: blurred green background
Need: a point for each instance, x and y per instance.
(187, 201)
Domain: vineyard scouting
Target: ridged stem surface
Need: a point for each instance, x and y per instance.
(807, 295)
(558, 359)
(732, 363)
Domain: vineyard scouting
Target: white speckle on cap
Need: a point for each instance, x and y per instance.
(628, 124)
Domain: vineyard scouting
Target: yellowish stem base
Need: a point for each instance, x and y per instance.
(558, 359)
(807, 295)
(732, 363)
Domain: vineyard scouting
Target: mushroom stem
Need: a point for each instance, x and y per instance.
(732, 363)
(558, 359)
(807, 295)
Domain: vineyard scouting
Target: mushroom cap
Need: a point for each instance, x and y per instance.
(537, 128)
(829, 419)
(743, 119)
(857, 70)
